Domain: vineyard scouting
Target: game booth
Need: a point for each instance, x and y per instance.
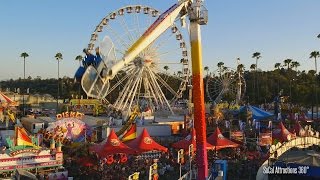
(27, 152)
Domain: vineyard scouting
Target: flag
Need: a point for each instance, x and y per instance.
(130, 134)
(22, 138)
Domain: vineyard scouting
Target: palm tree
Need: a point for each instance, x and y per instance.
(277, 65)
(24, 55)
(206, 68)
(166, 68)
(240, 68)
(252, 67)
(220, 65)
(295, 64)
(79, 58)
(287, 63)
(315, 55)
(58, 57)
(257, 56)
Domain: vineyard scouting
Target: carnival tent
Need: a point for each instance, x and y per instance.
(145, 143)
(112, 146)
(188, 140)
(297, 129)
(6, 101)
(282, 134)
(219, 141)
(257, 113)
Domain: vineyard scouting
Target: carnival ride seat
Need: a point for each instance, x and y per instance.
(94, 81)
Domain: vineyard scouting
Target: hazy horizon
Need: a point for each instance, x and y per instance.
(277, 29)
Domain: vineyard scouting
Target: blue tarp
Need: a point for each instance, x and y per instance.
(257, 113)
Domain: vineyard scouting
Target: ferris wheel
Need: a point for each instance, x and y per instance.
(156, 77)
(226, 84)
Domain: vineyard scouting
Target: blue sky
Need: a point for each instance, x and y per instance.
(278, 29)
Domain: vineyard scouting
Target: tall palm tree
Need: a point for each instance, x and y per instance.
(24, 55)
(277, 65)
(315, 55)
(287, 63)
(58, 57)
(206, 68)
(257, 56)
(79, 58)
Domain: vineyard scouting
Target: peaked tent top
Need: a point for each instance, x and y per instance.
(219, 141)
(190, 139)
(112, 146)
(282, 133)
(145, 143)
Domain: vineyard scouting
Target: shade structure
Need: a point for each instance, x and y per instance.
(145, 143)
(187, 141)
(219, 141)
(257, 113)
(282, 134)
(112, 146)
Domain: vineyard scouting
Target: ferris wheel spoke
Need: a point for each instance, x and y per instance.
(166, 85)
(168, 52)
(117, 36)
(156, 88)
(133, 92)
(118, 83)
(162, 42)
(124, 93)
(164, 97)
(137, 24)
(125, 26)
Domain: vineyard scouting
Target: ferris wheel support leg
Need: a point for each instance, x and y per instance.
(198, 100)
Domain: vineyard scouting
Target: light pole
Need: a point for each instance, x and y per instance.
(180, 159)
(190, 159)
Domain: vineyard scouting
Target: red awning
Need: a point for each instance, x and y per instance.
(282, 134)
(190, 139)
(219, 141)
(145, 143)
(112, 146)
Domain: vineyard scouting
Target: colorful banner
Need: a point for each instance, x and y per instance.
(38, 165)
